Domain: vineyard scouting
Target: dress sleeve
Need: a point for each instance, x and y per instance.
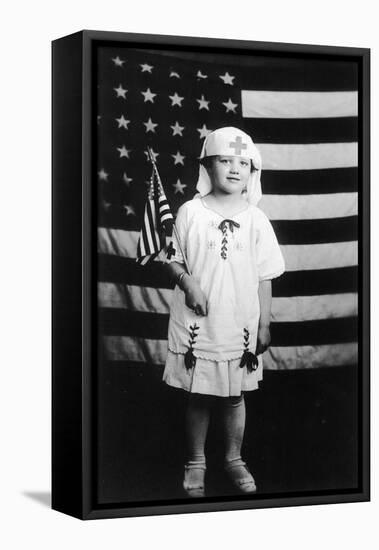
(174, 252)
(269, 256)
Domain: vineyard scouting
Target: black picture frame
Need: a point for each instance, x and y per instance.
(75, 349)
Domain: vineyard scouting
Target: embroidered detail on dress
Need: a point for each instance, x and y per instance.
(189, 358)
(224, 228)
(248, 358)
(238, 246)
(211, 245)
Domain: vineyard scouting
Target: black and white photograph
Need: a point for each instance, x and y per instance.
(228, 193)
(189, 274)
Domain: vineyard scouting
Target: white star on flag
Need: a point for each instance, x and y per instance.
(146, 68)
(117, 61)
(201, 75)
(148, 95)
(179, 187)
(129, 209)
(204, 131)
(177, 129)
(150, 125)
(154, 155)
(124, 152)
(173, 74)
(126, 179)
(176, 99)
(230, 106)
(106, 205)
(122, 122)
(203, 103)
(120, 91)
(103, 175)
(179, 159)
(227, 78)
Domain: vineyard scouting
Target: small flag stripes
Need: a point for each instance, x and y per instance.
(157, 223)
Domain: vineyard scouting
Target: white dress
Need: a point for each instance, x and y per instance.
(228, 257)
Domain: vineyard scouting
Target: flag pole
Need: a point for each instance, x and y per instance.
(174, 227)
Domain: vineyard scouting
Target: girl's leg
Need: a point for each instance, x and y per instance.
(234, 429)
(197, 422)
(234, 426)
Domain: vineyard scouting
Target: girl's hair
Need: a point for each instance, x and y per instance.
(207, 162)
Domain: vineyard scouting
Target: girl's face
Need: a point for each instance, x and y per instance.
(229, 174)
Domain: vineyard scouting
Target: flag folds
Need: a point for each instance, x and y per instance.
(303, 116)
(157, 222)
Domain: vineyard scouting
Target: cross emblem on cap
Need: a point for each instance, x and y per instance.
(238, 145)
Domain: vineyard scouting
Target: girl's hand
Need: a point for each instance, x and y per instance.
(263, 339)
(195, 297)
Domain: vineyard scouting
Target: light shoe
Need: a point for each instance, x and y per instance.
(245, 483)
(194, 490)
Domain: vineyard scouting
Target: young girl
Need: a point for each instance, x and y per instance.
(220, 313)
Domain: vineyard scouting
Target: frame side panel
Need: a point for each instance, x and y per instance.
(365, 277)
(67, 275)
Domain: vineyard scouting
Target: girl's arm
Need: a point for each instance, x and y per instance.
(265, 298)
(195, 297)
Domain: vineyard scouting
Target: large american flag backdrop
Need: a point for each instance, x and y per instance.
(303, 115)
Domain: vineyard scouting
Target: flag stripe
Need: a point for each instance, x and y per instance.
(300, 232)
(134, 349)
(308, 157)
(157, 214)
(312, 308)
(130, 348)
(304, 257)
(310, 182)
(116, 321)
(150, 226)
(311, 282)
(147, 242)
(316, 282)
(288, 309)
(303, 130)
(297, 257)
(268, 104)
(288, 232)
(133, 297)
(116, 269)
(310, 207)
(263, 72)
(305, 357)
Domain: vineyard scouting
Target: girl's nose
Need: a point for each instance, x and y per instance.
(234, 166)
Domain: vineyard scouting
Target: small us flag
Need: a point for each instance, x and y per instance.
(157, 222)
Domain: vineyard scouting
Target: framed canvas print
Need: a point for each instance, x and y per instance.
(210, 275)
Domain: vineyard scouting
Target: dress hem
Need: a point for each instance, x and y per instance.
(218, 359)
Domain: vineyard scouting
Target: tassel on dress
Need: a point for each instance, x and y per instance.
(250, 360)
(189, 359)
(248, 357)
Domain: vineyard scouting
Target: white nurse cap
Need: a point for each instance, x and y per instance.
(231, 141)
